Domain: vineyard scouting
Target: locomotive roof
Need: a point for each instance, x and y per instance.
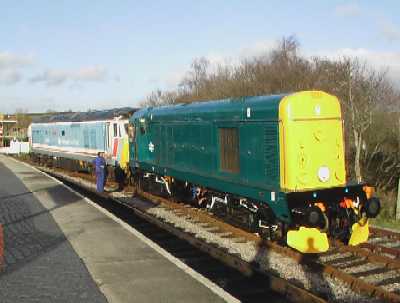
(100, 115)
(225, 109)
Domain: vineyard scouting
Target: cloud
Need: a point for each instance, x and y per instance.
(56, 77)
(10, 77)
(9, 60)
(348, 10)
(92, 73)
(216, 59)
(257, 49)
(380, 60)
(11, 65)
(50, 77)
(389, 31)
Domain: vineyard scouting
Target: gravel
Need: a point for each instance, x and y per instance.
(376, 278)
(285, 267)
(378, 240)
(395, 244)
(362, 268)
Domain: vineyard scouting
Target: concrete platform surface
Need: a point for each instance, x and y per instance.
(59, 247)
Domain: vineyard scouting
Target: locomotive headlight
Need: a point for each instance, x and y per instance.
(323, 173)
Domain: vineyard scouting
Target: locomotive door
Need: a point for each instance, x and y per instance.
(132, 142)
(164, 139)
(147, 147)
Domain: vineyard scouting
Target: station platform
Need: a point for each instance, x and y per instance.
(60, 247)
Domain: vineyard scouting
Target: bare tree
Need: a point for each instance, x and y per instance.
(23, 118)
(366, 91)
(158, 98)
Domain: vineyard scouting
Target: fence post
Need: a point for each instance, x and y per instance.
(398, 202)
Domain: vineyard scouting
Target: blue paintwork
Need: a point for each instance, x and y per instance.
(76, 135)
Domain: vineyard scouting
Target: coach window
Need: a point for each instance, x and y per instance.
(63, 133)
(108, 134)
(229, 149)
(115, 129)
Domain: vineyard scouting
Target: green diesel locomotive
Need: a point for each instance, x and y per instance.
(275, 161)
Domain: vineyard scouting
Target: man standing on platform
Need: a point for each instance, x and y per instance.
(100, 165)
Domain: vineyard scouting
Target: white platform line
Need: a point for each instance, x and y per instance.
(194, 274)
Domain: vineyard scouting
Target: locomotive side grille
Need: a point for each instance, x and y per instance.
(271, 151)
(229, 149)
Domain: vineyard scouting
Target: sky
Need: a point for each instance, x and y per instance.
(80, 55)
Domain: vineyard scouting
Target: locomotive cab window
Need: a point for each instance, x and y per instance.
(131, 133)
(229, 149)
(142, 126)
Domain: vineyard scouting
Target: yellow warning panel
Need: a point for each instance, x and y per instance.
(359, 232)
(311, 141)
(308, 240)
(125, 153)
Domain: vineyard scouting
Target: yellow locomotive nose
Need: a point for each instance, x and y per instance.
(311, 156)
(311, 141)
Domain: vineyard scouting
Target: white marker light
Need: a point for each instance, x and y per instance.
(248, 112)
(323, 174)
(317, 110)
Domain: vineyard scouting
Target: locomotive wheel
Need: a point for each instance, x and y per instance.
(143, 184)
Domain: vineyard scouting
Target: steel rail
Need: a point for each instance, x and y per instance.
(275, 283)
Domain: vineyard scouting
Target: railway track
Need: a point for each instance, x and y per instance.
(370, 274)
(241, 279)
(364, 273)
(384, 242)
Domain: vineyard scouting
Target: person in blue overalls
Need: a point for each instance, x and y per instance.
(100, 168)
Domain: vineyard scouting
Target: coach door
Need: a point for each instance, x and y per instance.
(132, 142)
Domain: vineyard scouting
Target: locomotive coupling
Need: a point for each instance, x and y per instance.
(311, 216)
(314, 217)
